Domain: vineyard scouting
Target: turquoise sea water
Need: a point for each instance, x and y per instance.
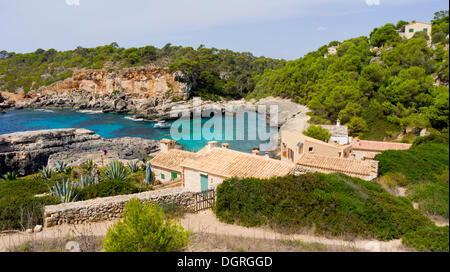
(111, 125)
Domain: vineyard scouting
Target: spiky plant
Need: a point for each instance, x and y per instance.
(133, 166)
(59, 166)
(65, 190)
(46, 172)
(116, 171)
(9, 176)
(88, 166)
(87, 180)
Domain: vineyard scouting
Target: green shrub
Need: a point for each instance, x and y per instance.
(19, 209)
(423, 169)
(116, 171)
(65, 190)
(107, 188)
(318, 132)
(9, 176)
(434, 239)
(335, 205)
(24, 212)
(145, 229)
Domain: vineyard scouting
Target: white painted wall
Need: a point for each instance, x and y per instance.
(192, 180)
(167, 174)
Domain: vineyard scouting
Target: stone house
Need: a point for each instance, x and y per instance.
(166, 165)
(332, 50)
(409, 30)
(213, 164)
(294, 144)
(367, 150)
(312, 155)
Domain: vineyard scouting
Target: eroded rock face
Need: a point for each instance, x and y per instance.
(131, 90)
(27, 152)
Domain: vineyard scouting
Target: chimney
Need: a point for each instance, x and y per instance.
(212, 144)
(255, 152)
(225, 145)
(338, 123)
(166, 145)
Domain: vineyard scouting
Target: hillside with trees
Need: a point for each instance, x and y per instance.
(378, 86)
(217, 73)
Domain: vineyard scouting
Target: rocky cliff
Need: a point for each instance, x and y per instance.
(27, 152)
(131, 90)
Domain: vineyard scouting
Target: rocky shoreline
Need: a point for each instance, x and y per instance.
(27, 152)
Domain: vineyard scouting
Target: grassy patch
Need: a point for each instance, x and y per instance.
(333, 205)
(423, 169)
(434, 239)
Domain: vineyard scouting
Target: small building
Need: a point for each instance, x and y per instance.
(294, 144)
(339, 133)
(409, 30)
(363, 149)
(332, 50)
(166, 165)
(212, 165)
(367, 170)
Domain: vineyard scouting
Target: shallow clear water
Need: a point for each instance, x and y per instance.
(110, 125)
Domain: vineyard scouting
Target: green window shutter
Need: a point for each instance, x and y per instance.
(163, 176)
(411, 30)
(174, 175)
(425, 29)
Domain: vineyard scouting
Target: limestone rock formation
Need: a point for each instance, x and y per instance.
(27, 152)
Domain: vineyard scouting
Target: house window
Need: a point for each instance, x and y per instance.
(311, 149)
(411, 30)
(425, 29)
(163, 176)
(353, 156)
(174, 175)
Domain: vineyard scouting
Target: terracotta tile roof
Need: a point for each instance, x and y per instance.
(332, 164)
(230, 163)
(378, 146)
(171, 160)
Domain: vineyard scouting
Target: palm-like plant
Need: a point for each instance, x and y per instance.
(88, 166)
(46, 172)
(9, 176)
(116, 171)
(59, 166)
(65, 191)
(87, 180)
(133, 166)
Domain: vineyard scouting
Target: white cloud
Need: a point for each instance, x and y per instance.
(373, 2)
(73, 2)
(321, 28)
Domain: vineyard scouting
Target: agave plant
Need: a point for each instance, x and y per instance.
(59, 166)
(87, 181)
(46, 172)
(88, 166)
(116, 171)
(9, 176)
(65, 191)
(133, 166)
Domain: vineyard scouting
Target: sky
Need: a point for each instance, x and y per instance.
(285, 29)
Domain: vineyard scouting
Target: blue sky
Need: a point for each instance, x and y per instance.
(280, 29)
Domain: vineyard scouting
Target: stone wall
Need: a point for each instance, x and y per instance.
(111, 207)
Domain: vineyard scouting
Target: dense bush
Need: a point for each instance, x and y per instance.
(335, 205)
(19, 209)
(145, 228)
(434, 239)
(318, 132)
(423, 169)
(107, 188)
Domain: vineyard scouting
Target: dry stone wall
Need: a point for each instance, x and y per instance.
(111, 207)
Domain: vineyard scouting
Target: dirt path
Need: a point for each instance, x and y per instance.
(204, 222)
